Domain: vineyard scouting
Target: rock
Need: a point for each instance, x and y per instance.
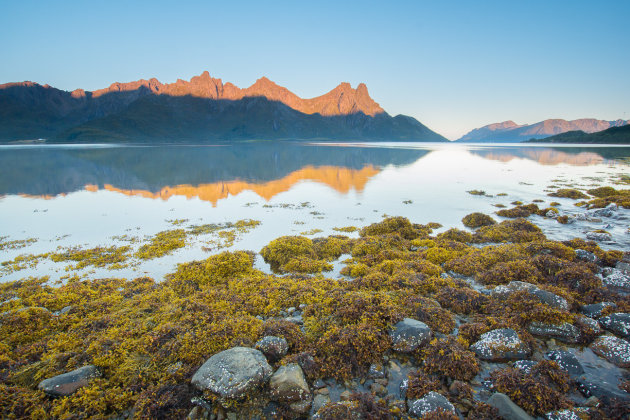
(409, 334)
(567, 361)
(575, 414)
(378, 389)
(429, 403)
(587, 256)
(617, 281)
(319, 401)
(294, 319)
(350, 409)
(288, 384)
(591, 401)
(67, 383)
(524, 365)
(564, 332)
(545, 297)
(319, 384)
(507, 409)
(594, 310)
(588, 326)
(300, 407)
(618, 323)
(603, 391)
(345, 395)
(198, 413)
(376, 371)
(233, 373)
(274, 348)
(323, 391)
(599, 236)
(500, 344)
(615, 350)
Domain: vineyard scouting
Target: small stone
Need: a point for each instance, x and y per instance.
(274, 348)
(376, 371)
(345, 395)
(290, 310)
(615, 350)
(591, 401)
(618, 323)
(564, 415)
(381, 381)
(323, 391)
(378, 389)
(599, 236)
(429, 403)
(300, 407)
(409, 334)
(507, 409)
(319, 384)
(500, 344)
(319, 401)
(68, 383)
(524, 365)
(288, 384)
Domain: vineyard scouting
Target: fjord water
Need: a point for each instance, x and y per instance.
(85, 195)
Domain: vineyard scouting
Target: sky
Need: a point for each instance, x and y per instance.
(453, 65)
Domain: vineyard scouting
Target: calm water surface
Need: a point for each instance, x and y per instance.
(84, 195)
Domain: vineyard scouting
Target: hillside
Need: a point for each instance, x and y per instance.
(613, 135)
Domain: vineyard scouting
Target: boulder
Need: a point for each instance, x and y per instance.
(68, 383)
(524, 365)
(429, 403)
(618, 323)
(617, 281)
(599, 236)
(587, 325)
(274, 348)
(614, 349)
(500, 344)
(545, 297)
(319, 401)
(584, 255)
(594, 310)
(507, 409)
(288, 384)
(574, 414)
(564, 332)
(567, 361)
(409, 334)
(233, 373)
(603, 391)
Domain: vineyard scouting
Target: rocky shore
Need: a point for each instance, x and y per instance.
(488, 323)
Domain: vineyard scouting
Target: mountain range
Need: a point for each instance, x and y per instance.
(612, 135)
(202, 109)
(509, 131)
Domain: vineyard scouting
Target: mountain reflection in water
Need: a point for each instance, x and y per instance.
(212, 173)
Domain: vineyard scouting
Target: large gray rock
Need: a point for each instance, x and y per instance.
(614, 349)
(233, 373)
(274, 348)
(618, 323)
(507, 409)
(67, 383)
(288, 384)
(567, 361)
(500, 344)
(564, 332)
(429, 403)
(594, 310)
(545, 297)
(409, 334)
(574, 414)
(604, 391)
(617, 281)
(319, 401)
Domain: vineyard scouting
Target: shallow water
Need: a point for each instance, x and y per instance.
(84, 195)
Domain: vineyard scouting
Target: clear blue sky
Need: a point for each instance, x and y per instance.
(453, 65)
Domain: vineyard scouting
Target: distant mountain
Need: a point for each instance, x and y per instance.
(202, 109)
(509, 131)
(613, 135)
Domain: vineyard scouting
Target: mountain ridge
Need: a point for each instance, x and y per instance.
(508, 131)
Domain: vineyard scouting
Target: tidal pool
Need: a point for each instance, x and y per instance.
(102, 195)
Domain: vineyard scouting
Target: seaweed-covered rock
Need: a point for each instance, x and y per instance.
(409, 334)
(584, 255)
(599, 236)
(233, 373)
(614, 349)
(548, 298)
(500, 344)
(507, 409)
(574, 414)
(564, 332)
(288, 384)
(618, 323)
(617, 281)
(594, 310)
(524, 365)
(274, 348)
(567, 361)
(429, 403)
(68, 383)
(319, 401)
